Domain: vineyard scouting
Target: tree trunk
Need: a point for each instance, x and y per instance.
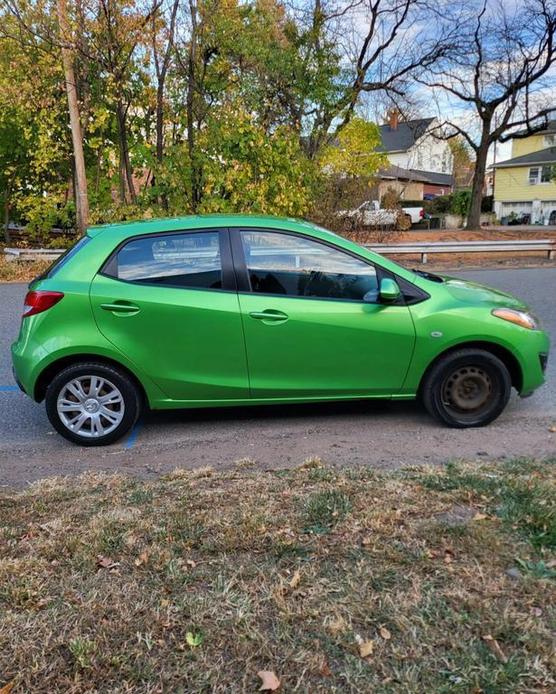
(195, 182)
(7, 206)
(160, 122)
(162, 198)
(82, 198)
(126, 174)
(474, 213)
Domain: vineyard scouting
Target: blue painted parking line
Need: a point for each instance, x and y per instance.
(8, 389)
(132, 438)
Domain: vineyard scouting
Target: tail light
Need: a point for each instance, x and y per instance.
(421, 213)
(39, 301)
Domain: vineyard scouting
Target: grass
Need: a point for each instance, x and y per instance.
(197, 581)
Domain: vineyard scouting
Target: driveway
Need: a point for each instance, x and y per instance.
(384, 434)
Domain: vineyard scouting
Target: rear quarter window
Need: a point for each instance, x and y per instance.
(59, 263)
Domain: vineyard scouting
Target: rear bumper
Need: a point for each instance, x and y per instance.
(27, 356)
(18, 382)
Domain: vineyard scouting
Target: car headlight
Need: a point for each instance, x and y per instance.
(522, 318)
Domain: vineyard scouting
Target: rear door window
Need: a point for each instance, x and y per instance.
(172, 260)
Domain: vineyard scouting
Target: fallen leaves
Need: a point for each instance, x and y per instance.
(106, 562)
(7, 688)
(494, 647)
(270, 683)
(386, 635)
(143, 558)
(366, 648)
(296, 579)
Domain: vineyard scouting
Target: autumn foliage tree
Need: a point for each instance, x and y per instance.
(179, 106)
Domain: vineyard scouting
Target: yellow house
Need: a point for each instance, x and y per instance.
(524, 184)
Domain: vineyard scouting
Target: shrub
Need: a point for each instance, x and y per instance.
(440, 205)
(487, 203)
(460, 202)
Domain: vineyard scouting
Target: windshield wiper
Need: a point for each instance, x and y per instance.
(428, 275)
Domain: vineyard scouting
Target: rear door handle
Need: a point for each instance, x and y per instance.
(270, 316)
(121, 307)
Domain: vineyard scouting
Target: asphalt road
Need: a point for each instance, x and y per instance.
(380, 434)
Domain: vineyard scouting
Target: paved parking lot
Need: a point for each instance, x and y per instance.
(380, 434)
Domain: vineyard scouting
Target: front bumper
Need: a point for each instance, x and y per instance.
(533, 357)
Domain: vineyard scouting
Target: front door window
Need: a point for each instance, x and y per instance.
(288, 265)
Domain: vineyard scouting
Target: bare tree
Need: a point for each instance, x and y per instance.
(387, 43)
(500, 76)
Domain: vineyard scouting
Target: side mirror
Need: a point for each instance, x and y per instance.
(389, 290)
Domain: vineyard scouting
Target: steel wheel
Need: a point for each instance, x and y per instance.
(90, 406)
(467, 389)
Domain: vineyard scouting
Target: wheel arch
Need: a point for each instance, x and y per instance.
(50, 371)
(509, 360)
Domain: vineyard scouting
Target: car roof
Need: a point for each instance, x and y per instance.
(150, 226)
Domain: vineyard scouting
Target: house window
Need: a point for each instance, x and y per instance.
(445, 161)
(550, 140)
(540, 174)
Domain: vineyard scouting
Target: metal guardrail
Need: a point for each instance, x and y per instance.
(32, 253)
(423, 249)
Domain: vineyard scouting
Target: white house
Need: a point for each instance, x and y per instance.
(420, 163)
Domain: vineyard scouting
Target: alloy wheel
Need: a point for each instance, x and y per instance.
(90, 406)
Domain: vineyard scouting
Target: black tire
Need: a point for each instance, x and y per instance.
(466, 388)
(129, 406)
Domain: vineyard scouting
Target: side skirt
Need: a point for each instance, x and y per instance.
(194, 404)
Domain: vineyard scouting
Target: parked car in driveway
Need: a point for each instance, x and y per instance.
(370, 214)
(237, 310)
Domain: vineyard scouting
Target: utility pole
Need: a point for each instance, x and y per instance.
(82, 199)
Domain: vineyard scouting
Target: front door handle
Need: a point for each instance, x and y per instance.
(270, 316)
(121, 307)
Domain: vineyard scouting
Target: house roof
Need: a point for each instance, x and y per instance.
(404, 136)
(548, 129)
(416, 175)
(543, 156)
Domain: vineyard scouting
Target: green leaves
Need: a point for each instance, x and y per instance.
(354, 151)
(193, 639)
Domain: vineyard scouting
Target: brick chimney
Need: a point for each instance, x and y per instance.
(393, 118)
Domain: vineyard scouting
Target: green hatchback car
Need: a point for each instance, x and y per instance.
(235, 310)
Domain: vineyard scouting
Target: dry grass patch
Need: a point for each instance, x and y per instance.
(21, 270)
(334, 579)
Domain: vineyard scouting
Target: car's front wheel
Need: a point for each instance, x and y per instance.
(467, 388)
(92, 404)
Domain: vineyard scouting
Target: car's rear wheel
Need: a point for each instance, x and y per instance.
(467, 388)
(92, 404)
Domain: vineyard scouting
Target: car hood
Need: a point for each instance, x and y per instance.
(475, 293)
